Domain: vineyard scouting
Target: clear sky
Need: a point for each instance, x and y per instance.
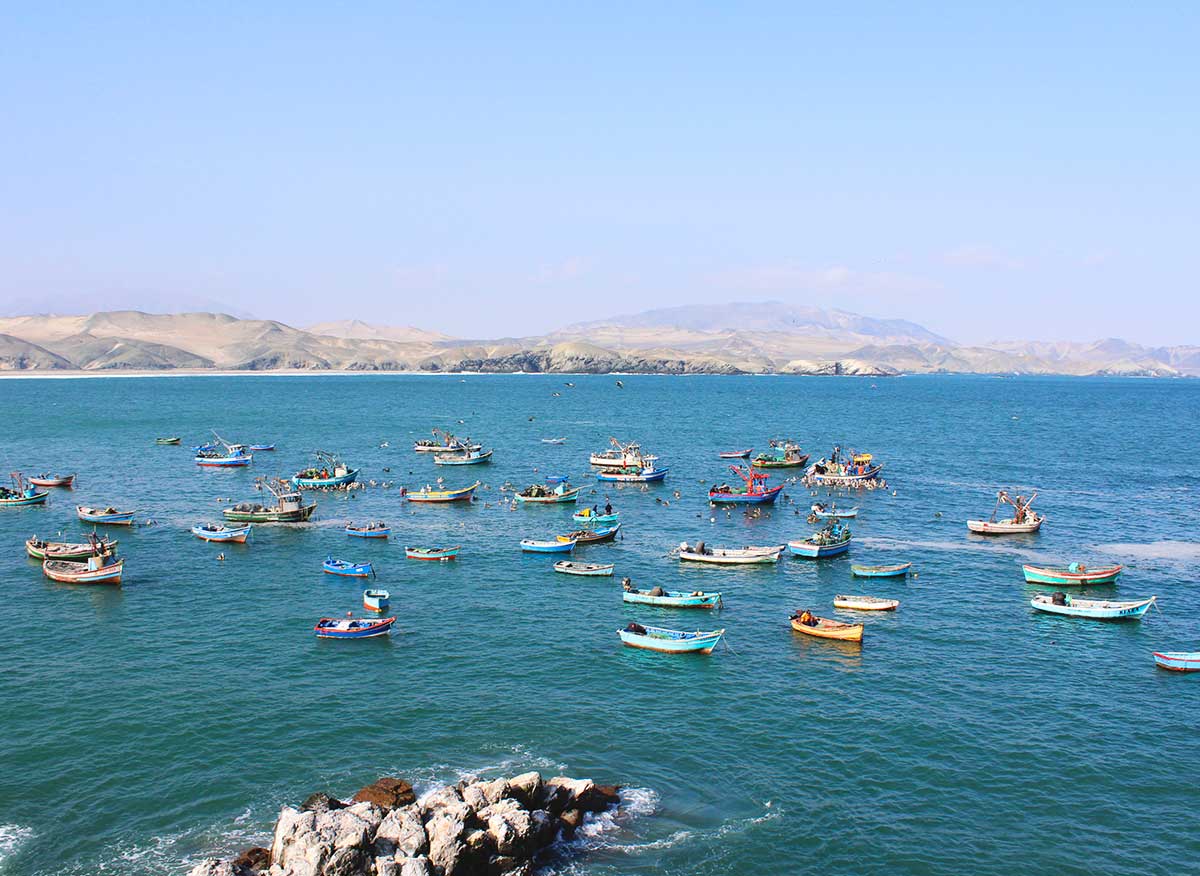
(1025, 171)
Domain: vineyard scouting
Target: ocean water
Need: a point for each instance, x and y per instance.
(147, 726)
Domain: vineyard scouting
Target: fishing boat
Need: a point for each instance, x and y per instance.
(428, 494)
(736, 454)
(537, 494)
(352, 627)
(21, 493)
(174, 439)
(1074, 574)
(1097, 609)
(821, 512)
(896, 570)
(592, 518)
(670, 641)
(374, 529)
(1023, 520)
(746, 556)
(754, 489)
(263, 447)
(834, 539)
(592, 536)
(844, 471)
(222, 454)
(558, 546)
(1178, 661)
(824, 628)
(62, 550)
(376, 600)
(331, 472)
(669, 598)
(220, 532)
(288, 505)
(621, 456)
(49, 480)
(865, 603)
(466, 457)
(444, 442)
(102, 569)
(110, 516)
(783, 454)
(633, 474)
(441, 554)
(591, 570)
(347, 569)
(554, 440)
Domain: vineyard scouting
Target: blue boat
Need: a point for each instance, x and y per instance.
(834, 539)
(670, 641)
(218, 532)
(633, 474)
(22, 493)
(262, 446)
(375, 529)
(105, 515)
(561, 545)
(347, 568)
(352, 628)
(331, 473)
(897, 570)
(588, 516)
(222, 454)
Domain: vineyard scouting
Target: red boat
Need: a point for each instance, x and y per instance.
(47, 480)
(755, 491)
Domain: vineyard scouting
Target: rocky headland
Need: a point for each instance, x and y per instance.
(472, 828)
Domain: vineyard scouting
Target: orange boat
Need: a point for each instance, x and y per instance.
(823, 628)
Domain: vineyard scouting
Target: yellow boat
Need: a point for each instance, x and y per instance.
(824, 628)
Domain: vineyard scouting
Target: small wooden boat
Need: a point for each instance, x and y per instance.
(567, 567)
(1096, 609)
(174, 439)
(263, 447)
(331, 472)
(428, 494)
(352, 628)
(21, 493)
(110, 516)
(554, 440)
(374, 529)
(825, 628)
(61, 550)
(440, 554)
(467, 457)
(1178, 661)
(347, 569)
(750, 555)
(833, 512)
(288, 505)
(1074, 574)
(670, 641)
(444, 442)
(897, 570)
(590, 517)
(633, 474)
(536, 494)
(670, 598)
(753, 492)
(736, 454)
(222, 533)
(558, 546)
(103, 569)
(592, 536)
(834, 539)
(376, 600)
(865, 603)
(48, 480)
(783, 454)
(1023, 520)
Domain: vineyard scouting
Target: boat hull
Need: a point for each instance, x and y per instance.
(431, 554)
(736, 454)
(35, 499)
(376, 600)
(64, 481)
(767, 497)
(722, 558)
(1062, 577)
(298, 515)
(223, 461)
(674, 599)
(323, 483)
(367, 631)
(1094, 609)
(1003, 527)
(579, 517)
(837, 632)
(463, 495)
(530, 546)
(470, 460)
(61, 571)
(860, 603)
(553, 499)
(897, 571)
(811, 551)
(57, 550)
(368, 533)
(639, 478)
(589, 570)
(837, 515)
(672, 641)
(1178, 661)
(233, 536)
(124, 518)
(799, 462)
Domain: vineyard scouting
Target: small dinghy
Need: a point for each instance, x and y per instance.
(865, 603)
(428, 494)
(1075, 574)
(418, 553)
(670, 641)
(821, 511)
(466, 457)
(736, 454)
(1023, 520)
(49, 480)
(669, 598)
(352, 627)
(110, 515)
(222, 533)
(264, 447)
(592, 518)
(1096, 609)
(560, 545)
(374, 529)
(174, 439)
(62, 550)
(751, 555)
(347, 568)
(834, 539)
(376, 600)
(592, 536)
(1178, 661)
(554, 440)
(567, 567)
(536, 494)
(104, 569)
(823, 628)
(898, 570)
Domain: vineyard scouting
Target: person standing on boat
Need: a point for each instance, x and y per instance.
(608, 507)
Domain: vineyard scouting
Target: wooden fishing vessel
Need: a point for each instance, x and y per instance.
(109, 516)
(219, 532)
(842, 471)
(1096, 609)
(1178, 661)
(428, 494)
(590, 517)
(435, 554)
(865, 603)
(736, 454)
(1075, 574)
(754, 489)
(558, 546)
(352, 628)
(21, 493)
(896, 570)
(592, 536)
(103, 569)
(832, 513)
(466, 457)
(621, 456)
(374, 529)
(834, 539)
(591, 570)
(62, 550)
(174, 439)
(825, 628)
(49, 480)
(347, 569)
(783, 454)
(670, 641)
(1023, 520)
(633, 474)
(223, 454)
(670, 598)
(750, 555)
(288, 505)
(444, 442)
(331, 472)
(536, 494)
(376, 600)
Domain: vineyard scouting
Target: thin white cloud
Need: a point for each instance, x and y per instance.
(979, 255)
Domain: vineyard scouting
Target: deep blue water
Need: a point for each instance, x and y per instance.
(148, 725)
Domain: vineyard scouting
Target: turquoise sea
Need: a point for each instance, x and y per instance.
(146, 726)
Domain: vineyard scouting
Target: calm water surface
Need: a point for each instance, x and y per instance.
(149, 725)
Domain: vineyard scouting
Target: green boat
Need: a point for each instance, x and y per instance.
(172, 440)
(289, 506)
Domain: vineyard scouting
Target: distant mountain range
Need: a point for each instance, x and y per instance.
(756, 338)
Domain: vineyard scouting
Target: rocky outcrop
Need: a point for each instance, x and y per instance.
(474, 828)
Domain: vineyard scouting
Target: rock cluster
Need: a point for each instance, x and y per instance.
(474, 828)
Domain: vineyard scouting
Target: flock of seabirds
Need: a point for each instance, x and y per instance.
(288, 501)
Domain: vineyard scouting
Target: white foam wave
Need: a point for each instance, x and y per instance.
(1173, 551)
(11, 838)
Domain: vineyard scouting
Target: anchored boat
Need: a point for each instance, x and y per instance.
(1178, 661)
(331, 472)
(375, 529)
(439, 554)
(592, 570)
(222, 454)
(102, 569)
(554, 440)
(1096, 609)
(1074, 574)
(352, 628)
(865, 603)
(896, 570)
(819, 510)
(220, 532)
(376, 600)
(783, 454)
(174, 439)
(592, 536)
(1023, 519)
(110, 516)
(466, 457)
(834, 539)
(49, 480)
(669, 598)
(263, 447)
(62, 550)
(428, 494)
(736, 454)
(444, 442)
(751, 555)
(754, 490)
(21, 493)
(347, 569)
(844, 471)
(824, 628)
(591, 517)
(289, 505)
(621, 456)
(645, 473)
(536, 494)
(670, 641)
(558, 546)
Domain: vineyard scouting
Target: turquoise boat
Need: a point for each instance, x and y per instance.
(587, 516)
(561, 545)
(898, 570)
(672, 598)
(23, 495)
(331, 473)
(1095, 609)
(1075, 574)
(670, 641)
(347, 568)
(829, 542)
(1178, 661)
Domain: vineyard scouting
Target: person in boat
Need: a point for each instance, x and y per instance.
(627, 585)
(807, 618)
(636, 628)
(608, 507)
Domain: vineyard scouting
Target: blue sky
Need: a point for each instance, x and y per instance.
(490, 169)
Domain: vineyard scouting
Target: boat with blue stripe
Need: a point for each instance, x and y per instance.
(834, 539)
(22, 493)
(352, 628)
(670, 641)
(331, 472)
(347, 569)
(669, 598)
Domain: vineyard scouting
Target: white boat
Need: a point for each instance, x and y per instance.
(621, 456)
(865, 603)
(568, 567)
(1022, 521)
(1098, 609)
(702, 553)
